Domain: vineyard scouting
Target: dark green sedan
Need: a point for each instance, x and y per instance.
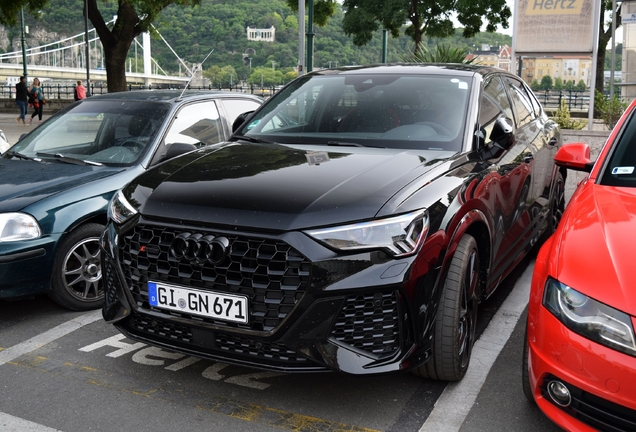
(56, 182)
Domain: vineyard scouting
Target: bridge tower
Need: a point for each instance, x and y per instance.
(147, 59)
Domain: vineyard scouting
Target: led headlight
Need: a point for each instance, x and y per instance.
(119, 209)
(18, 226)
(399, 235)
(590, 318)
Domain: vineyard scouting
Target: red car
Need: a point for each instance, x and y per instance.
(579, 361)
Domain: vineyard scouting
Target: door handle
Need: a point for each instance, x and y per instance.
(528, 157)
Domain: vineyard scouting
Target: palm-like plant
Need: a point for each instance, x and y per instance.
(442, 53)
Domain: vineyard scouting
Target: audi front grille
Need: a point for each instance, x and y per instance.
(269, 272)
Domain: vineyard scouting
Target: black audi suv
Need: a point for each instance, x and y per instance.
(354, 223)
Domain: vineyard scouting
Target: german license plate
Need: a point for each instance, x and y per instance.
(221, 306)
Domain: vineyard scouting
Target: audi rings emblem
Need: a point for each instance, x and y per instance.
(199, 248)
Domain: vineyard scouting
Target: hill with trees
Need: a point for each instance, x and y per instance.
(193, 32)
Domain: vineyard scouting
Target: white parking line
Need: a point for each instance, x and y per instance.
(48, 336)
(457, 399)
(9, 423)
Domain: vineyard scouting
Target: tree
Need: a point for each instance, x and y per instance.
(605, 34)
(133, 18)
(426, 17)
(546, 83)
(558, 83)
(443, 53)
(535, 85)
(580, 86)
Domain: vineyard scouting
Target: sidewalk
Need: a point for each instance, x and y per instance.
(13, 130)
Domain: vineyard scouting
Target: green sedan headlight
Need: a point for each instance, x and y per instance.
(18, 226)
(399, 235)
(119, 209)
(590, 318)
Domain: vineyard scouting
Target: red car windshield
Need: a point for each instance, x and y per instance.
(620, 169)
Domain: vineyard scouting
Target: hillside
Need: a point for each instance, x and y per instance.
(221, 25)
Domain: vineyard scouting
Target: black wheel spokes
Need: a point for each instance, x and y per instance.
(468, 310)
(559, 204)
(82, 270)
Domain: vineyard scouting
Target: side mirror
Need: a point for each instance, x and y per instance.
(503, 133)
(574, 156)
(240, 120)
(177, 149)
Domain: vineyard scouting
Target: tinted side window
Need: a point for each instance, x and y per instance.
(197, 124)
(235, 107)
(523, 109)
(492, 104)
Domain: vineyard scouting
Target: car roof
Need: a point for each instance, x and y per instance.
(172, 95)
(449, 69)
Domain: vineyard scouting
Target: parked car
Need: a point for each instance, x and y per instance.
(579, 360)
(56, 182)
(4, 143)
(353, 223)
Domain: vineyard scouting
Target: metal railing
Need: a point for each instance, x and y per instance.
(62, 91)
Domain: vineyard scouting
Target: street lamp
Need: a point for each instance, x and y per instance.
(24, 64)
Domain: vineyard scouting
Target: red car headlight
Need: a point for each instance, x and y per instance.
(590, 318)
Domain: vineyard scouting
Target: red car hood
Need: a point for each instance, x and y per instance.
(597, 252)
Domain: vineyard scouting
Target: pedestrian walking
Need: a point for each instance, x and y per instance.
(80, 91)
(36, 99)
(21, 100)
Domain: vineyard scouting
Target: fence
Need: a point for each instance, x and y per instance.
(61, 91)
(576, 100)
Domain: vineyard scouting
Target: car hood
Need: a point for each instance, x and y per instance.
(596, 252)
(23, 183)
(281, 187)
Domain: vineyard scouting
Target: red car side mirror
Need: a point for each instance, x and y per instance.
(575, 156)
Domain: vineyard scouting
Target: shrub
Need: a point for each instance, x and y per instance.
(609, 109)
(563, 119)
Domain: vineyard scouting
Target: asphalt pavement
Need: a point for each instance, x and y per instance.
(14, 130)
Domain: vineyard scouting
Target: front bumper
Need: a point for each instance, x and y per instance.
(26, 266)
(602, 381)
(309, 311)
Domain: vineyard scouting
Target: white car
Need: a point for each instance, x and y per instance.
(4, 143)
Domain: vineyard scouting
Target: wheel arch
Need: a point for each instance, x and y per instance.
(475, 224)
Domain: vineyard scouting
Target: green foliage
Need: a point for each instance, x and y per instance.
(442, 53)
(558, 83)
(534, 85)
(546, 83)
(580, 86)
(609, 109)
(563, 119)
(569, 85)
(221, 24)
(323, 10)
(221, 76)
(266, 77)
(433, 18)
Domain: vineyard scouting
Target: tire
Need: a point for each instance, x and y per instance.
(76, 282)
(454, 332)
(525, 374)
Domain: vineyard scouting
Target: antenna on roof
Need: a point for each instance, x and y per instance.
(196, 69)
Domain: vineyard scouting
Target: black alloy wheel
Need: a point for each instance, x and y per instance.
(76, 282)
(456, 319)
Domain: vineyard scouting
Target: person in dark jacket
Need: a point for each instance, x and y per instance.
(21, 100)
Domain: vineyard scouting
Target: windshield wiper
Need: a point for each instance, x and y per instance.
(344, 144)
(251, 139)
(18, 155)
(67, 159)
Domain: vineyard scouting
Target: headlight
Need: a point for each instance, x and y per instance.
(119, 209)
(589, 318)
(18, 226)
(399, 236)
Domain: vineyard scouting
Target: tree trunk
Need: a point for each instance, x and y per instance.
(116, 41)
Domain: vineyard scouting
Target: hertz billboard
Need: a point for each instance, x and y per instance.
(555, 26)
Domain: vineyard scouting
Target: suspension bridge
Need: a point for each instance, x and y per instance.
(65, 60)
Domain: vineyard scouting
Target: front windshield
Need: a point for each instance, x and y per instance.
(620, 169)
(374, 110)
(108, 132)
